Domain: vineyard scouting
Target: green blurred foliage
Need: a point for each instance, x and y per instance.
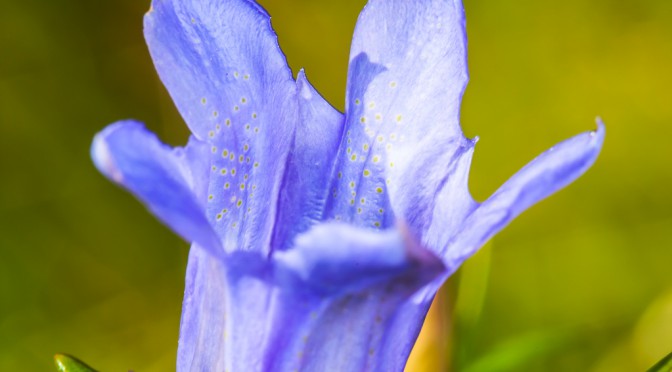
(664, 365)
(580, 282)
(68, 363)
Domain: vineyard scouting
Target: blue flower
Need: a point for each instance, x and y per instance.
(319, 238)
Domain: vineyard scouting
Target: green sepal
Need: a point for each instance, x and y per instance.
(67, 363)
(665, 365)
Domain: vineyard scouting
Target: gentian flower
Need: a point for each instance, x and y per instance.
(319, 239)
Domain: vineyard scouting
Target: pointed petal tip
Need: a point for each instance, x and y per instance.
(303, 86)
(547, 173)
(149, 13)
(586, 145)
(596, 138)
(601, 129)
(301, 75)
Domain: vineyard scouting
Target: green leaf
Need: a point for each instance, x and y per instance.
(665, 365)
(67, 363)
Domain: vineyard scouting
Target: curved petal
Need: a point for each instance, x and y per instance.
(131, 156)
(403, 142)
(369, 330)
(222, 65)
(212, 54)
(549, 172)
(201, 346)
(225, 312)
(417, 65)
(338, 280)
(338, 258)
(195, 167)
(451, 204)
(402, 333)
(311, 161)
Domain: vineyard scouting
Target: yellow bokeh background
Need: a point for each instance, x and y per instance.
(580, 282)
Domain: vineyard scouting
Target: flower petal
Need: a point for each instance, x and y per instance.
(219, 60)
(225, 313)
(402, 332)
(128, 154)
(369, 330)
(201, 345)
(403, 142)
(310, 163)
(338, 258)
(221, 63)
(549, 172)
(335, 274)
(338, 280)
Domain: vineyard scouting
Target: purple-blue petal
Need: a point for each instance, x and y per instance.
(309, 166)
(403, 143)
(354, 332)
(219, 60)
(342, 291)
(549, 172)
(159, 176)
(226, 312)
(333, 258)
(332, 233)
(336, 281)
(196, 154)
(201, 346)
(228, 78)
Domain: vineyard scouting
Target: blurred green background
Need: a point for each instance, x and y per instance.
(580, 282)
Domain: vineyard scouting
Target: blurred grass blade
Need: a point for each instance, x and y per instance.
(665, 365)
(67, 363)
(524, 350)
(473, 286)
(471, 294)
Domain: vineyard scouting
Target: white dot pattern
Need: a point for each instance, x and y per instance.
(234, 163)
(359, 192)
